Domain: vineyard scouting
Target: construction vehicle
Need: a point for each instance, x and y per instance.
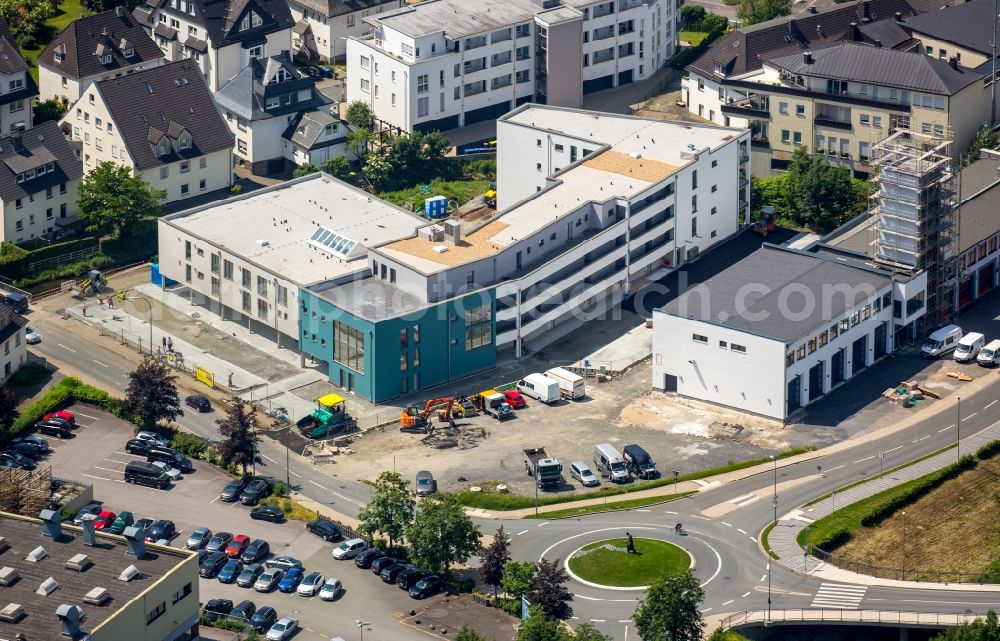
(765, 224)
(547, 470)
(491, 198)
(493, 403)
(329, 416)
(464, 408)
(93, 284)
(415, 421)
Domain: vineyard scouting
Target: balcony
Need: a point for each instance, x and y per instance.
(760, 142)
(823, 120)
(747, 108)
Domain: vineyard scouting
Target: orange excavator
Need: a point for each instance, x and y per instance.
(413, 420)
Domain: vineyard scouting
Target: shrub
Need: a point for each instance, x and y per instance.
(190, 445)
(510, 606)
(929, 483)
(988, 451)
(56, 398)
(279, 489)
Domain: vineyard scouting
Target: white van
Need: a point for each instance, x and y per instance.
(570, 385)
(990, 354)
(941, 341)
(609, 463)
(540, 387)
(968, 348)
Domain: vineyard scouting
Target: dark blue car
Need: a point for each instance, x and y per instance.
(290, 582)
(230, 571)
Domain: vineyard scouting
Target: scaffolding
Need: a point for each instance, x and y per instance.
(916, 213)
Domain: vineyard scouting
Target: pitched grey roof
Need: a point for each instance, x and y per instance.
(859, 62)
(888, 33)
(109, 31)
(11, 61)
(162, 100)
(221, 18)
(306, 130)
(246, 93)
(969, 25)
(39, 145)
(745, 296)
(979, 218)
(331, 8)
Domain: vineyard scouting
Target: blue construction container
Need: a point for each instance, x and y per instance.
(436, 207)
(157, 278)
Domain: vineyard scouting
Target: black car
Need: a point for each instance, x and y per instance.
(211, 565)
(267, 513)
(37, 441)
(378, 564)
(18, 460)
(54, 427)
(138, 446)
(428, 586)
(263, 619)
(367, 557)
(255, 491)
(257, 551)
(390, 572)
(409, 577)
(162, 529)
(218, 609)
(231, 492)
(326, 530)
(8, 462)
(25, 449)
(313, 71)
(244, 610)
(198, 402)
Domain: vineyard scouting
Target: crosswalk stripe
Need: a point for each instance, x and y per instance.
(839, 595)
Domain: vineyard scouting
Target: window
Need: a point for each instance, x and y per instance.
(185, 166)
(739, 349)
(785, 135)
(844, 325)
(282, 295)
(18, 204)
(202, 184)
(887, 299)
(185, 189)
(866, 312)
(865, 119)
(723, 345)
(157, 612)
(246, 301)
(822, 339)
(783, 108)
(17, 83)
(416, 334)
(423, 106)
(403, 338)
(403, 362)
(789, 359)
(796, 137)
(422, 83)
(183, 592)
(812, 345)
(262, 286)
(478, 327)
(833, 331)
(365, 85)
(349, 346)
(876, 121)
(241, 146)
(261, 309)
(800, 110)
(245, 278)
(227, 269)
(698, 338)
(800, 353)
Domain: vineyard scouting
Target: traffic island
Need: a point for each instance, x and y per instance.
(608, 564)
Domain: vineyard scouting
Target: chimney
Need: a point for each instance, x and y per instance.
(88, 529)
(136, 537)
(453, 231)
(854, 34)
(877, 43)
(120, 11)
(16, 142)
(70, 617)
(953, 62)
(51, 519)
(791, 26)
(898, 16)
(866, 10)
(807, 58)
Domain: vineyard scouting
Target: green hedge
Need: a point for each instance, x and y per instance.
(12, 257)
(689, 55)
(988, 451)
(66, 247)
(62, 395)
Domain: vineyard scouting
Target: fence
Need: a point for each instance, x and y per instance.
(903, 574)
(64, 258)
(878, 617)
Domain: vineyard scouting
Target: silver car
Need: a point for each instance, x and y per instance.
(172, 472)
(198, 538)
(582, 472)
(153, 438)
(330, 590)
(269, 580)
(283, 629)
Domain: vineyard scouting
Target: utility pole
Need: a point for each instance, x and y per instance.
(902, 513)
(769, 591)
(993, 79)
(774, 498)
(958, 420)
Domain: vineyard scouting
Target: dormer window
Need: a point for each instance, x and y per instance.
(245, 23)
(17, 83)
(190, 8)
(173, 4)
(255, 20)
(106, 59)
(60, 56)
(129, 52)
(273, 102)
(163, 148)
(184, 141)
(257, 52)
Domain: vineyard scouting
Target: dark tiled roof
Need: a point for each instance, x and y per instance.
(331, 8)
(10, 322)
(221, 18)
(114, 31)
(162, 99)
(165, 32)
(11, 61)
(978, 219)
(925, 6)
(246, 93)
(743, 50)
(40, 145)
(309, 126)
(880, 66)
(968, 25)
(888, 33)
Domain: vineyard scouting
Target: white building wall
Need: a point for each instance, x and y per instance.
(329, 32)
(55, 84)
(15, 114)
(215, 169)
(37, 215)
(14, 355)
(702, 97)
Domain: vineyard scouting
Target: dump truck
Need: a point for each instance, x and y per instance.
(493, 403)
(329, 416)
(546, 469)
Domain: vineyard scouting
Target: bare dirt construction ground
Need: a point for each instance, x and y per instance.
(952, 529)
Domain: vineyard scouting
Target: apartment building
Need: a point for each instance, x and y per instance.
(39, 176)
(162, 122)
(220, 36)
(17, 87)
(105, 45)
(444, 64)
(14, 344)
(315, 137)
(261, 103)
(323, 26)
(842, 99)
(962, 31)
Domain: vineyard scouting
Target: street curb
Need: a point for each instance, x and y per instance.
(611, 511)
(637, 588)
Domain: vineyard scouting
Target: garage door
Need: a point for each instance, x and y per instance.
(859, 355)
(965, 293)
(986, 279)
(816, 381)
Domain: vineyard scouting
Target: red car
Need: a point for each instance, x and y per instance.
(64, 415)
(514, 399)
(104, 519)
(237, 545)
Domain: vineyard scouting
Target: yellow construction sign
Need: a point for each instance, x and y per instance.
(205, 376)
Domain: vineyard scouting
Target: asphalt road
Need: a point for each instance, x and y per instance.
(730, 564)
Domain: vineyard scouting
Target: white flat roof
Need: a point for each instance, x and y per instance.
(272, 227)
(457, 18)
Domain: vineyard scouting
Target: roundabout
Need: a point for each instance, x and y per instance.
(607, 564)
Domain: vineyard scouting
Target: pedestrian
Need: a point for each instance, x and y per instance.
(230, 380)
(163, 341)
(84, 308)
(111, 304)
(629, 544)
(170, 344)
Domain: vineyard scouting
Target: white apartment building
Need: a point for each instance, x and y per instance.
(17, 87)
(12, 342)
(778, 330)
(221, 36)
(162, 122)
(444, 64)
(322, 26)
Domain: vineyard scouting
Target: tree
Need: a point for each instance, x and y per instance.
(360, 115)
(304, 170)
(980, 630)
(442, 534)
(539, 627)
(239, 445)
(753, 11)
(726, 635)
(986, 138)
(47, 110)
(8, 407)
(494, 558)
(27, 18)
(111, 199)
(389, 510)
(152, 393)
(823, 194)
(465, 633)
(548, 590)
(357, 141)
(669, 611)
(517, 578)
(692, 15)
(338, 166)
(378, 170)
(587, 632)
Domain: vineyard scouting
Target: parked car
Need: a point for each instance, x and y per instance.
(365, 558)
(7, 462)
(324, 529)
(172, 472)
(263, 619)
(311, 584)
(25, 449)
(313, 71)
(256, 551)
(218, 609)
(254, 491)
(104, 520)
(211, 564)
(144, 523)
(124, 520)
(427, 586)
(514, 399)
(236, 545)
(19, 460)
(62, 415)
(88, 509)
(425, 483)
(283, 563)
(331, 589)
(244, 610)
(198, 402)
(31, 336)
(219, 542)
(391, 571)
(232, 569)
(268, 580)
(56, 428)
(171, 457)
(138, 446)
(409, 577)
(283, 629)
(582, 472)
(198, 538)
(249, 575)
(349, 549)
(37, 441)
(154, 438)
(161, 530)
(231, 492)
(270, 513)
(378, 564)
(291, 580)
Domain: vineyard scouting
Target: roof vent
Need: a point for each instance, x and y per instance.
(807, 57)
(453, 231)
(129, 573)
(70, 617)
(12, 613)
(136, 537)
(263, 243)
(47, 587)
(634, 155)
(80, 563)
(8, 577)
(51, 524)
(97, 596)
(4, 545)
(36, 555)
(440, 248)
(88, 529)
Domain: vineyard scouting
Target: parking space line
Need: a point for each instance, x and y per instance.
(87, 415)
(213, 500)
(91, 476)
(107, 469)
(111, 460)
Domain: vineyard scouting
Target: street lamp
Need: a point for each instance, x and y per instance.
(774, 497)
(149, 306)
(881, 461)
(676, 474)
(361, 626)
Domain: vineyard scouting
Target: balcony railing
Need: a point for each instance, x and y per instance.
(825, 121)
(746, 107)
(760, 143)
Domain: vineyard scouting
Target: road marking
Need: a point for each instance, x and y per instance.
(295, 474)
(213, 500)
(969, 416)
(754, 539)
(763, 577)
(835, 468)
(741, 531)
(742, 498)
(945, 429)
(726, 524)
(522, 532)
(839, 595)
(990, 405)
(669, 512)
(86, 415)
(111, 460)
(100, 363)
(729, 601)
(69, 348)
(317, 484)
(598, 620)
(625, 621)
(643, 510)
(929, 601)
(703, 518)
(898, 447)
(745, 595)
(922, 438)
(541, 524)
(95, 477)
(705, 610)
(864, 459)
(269, 458)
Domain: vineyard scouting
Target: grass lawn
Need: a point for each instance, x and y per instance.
(461, 191)
(693, 38)
(68, 11)
(627, 504)
(652, 559)
(294, 511)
